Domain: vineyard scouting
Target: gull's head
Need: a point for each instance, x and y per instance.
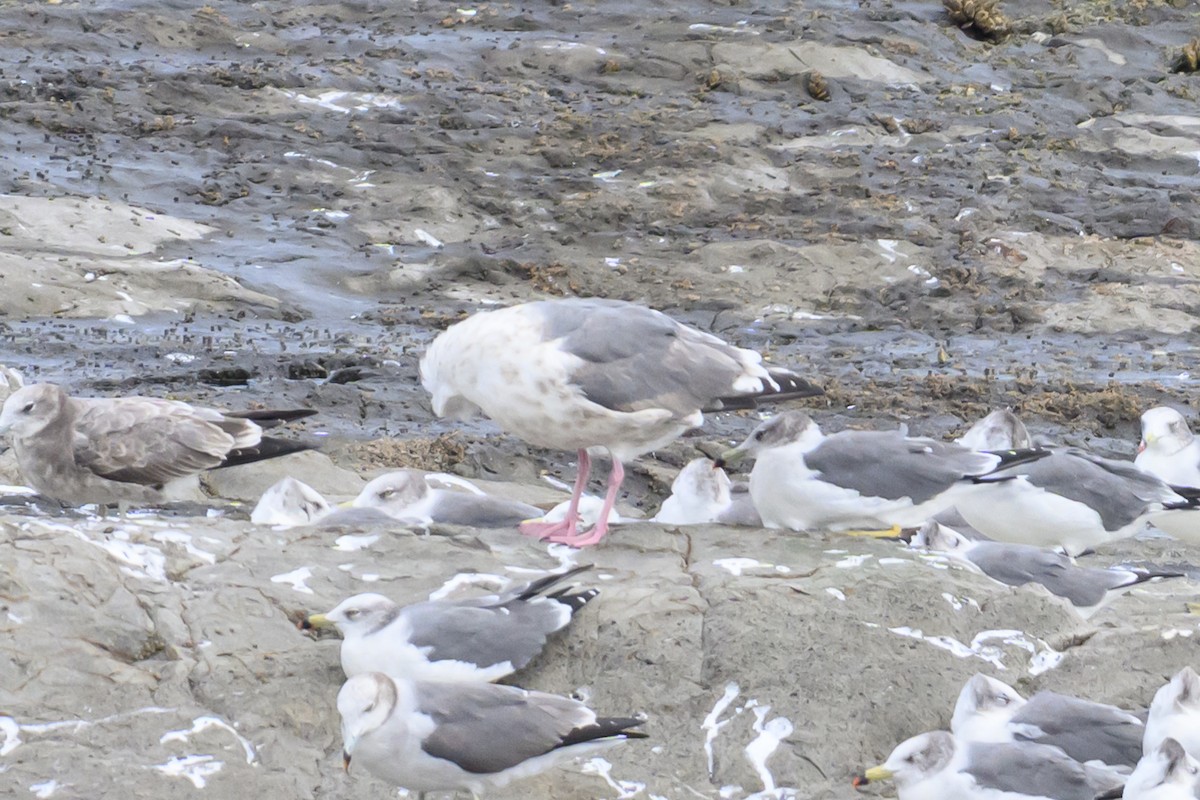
(781, 430)
(999, 430)
(915, 759)
(30, 409)
(365, 703)
(702, 481)
(984, 707)
(1168, 769)
(393, 493)
(1181, 695)
(359, 615)
(935, 536)
(1164, 431)
(289, 502)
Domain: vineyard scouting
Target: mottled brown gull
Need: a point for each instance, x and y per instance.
(593, 375)
(129, 449)
(432, 737)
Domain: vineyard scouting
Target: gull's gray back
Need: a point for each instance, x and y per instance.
(486, 636)
(890, 465)
(1019, 564)
(1027, 768)
(1086, 731)
(637, 358)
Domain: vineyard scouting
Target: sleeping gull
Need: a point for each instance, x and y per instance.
(289, 503)
(1070, 499)
(937, 765)
(989, 710)
(409, 496)
(593, 375)
(999, 430)
(1175, 713)
(1086, 588)
(432, 737)
(1168, 449)
(475, 639)
(1165, 773)
(129, 449)
(805, 480)
(702, 493)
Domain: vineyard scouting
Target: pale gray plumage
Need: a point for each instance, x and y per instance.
(429, 736)
(132, 449)
(1020, 564)
(406, 495)
(481, 638)
(999, 430)
(593, 376)
(937, 765)
(1165, 773)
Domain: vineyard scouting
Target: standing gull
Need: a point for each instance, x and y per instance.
(1070, 499)
(432, 737)
(407, 495)
(989, 710)
(805, 480)
(1165, 773)
(1175, 713)
(593, 375)
(1087, 588)
(129, 449)
(476, 639)
(938, 766)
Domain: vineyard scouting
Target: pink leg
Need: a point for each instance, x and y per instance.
(569, 525)
(615, 477)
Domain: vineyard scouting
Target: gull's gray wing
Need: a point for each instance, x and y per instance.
(1028, 769)
(1086, 731)
(635, 358)
(149, 441)
(1118, 491)
(889, 464)
(512, 628)
(460, 508)
(487, 728)
(1019, 564)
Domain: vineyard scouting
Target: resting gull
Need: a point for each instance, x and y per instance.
(593, 375)
(1165, 773)
(989, 710)
(410, 496)
(1168, 449)
(1175, 713)
(1070, 499)
(938, 765)
(432, 737)
(1087, 588)
(289, 503)
(129, 449)
(476, 639)
(805, 480)
(999, 430)
(702, 493)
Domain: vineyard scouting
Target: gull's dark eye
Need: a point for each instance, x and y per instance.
(386, 493)
(758, 436)
(352, 613)
(28, 407)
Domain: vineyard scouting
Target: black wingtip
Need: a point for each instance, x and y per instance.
(791, 387)
(268, 447)
(576, 600)
(269, 418)
(605, 728)
(540, 585)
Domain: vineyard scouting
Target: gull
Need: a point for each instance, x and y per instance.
(1165, 773)
(1070, 499)
(1086, 588)
(409, 496)
(805, 480)
(937, 766)
(289, 503)
(702, 493)
(475, 639)
(1168, 449)
(430, 736)
(999, 430)
(1175, 714)
(593, 375)
(129, 449)
(989, 710)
